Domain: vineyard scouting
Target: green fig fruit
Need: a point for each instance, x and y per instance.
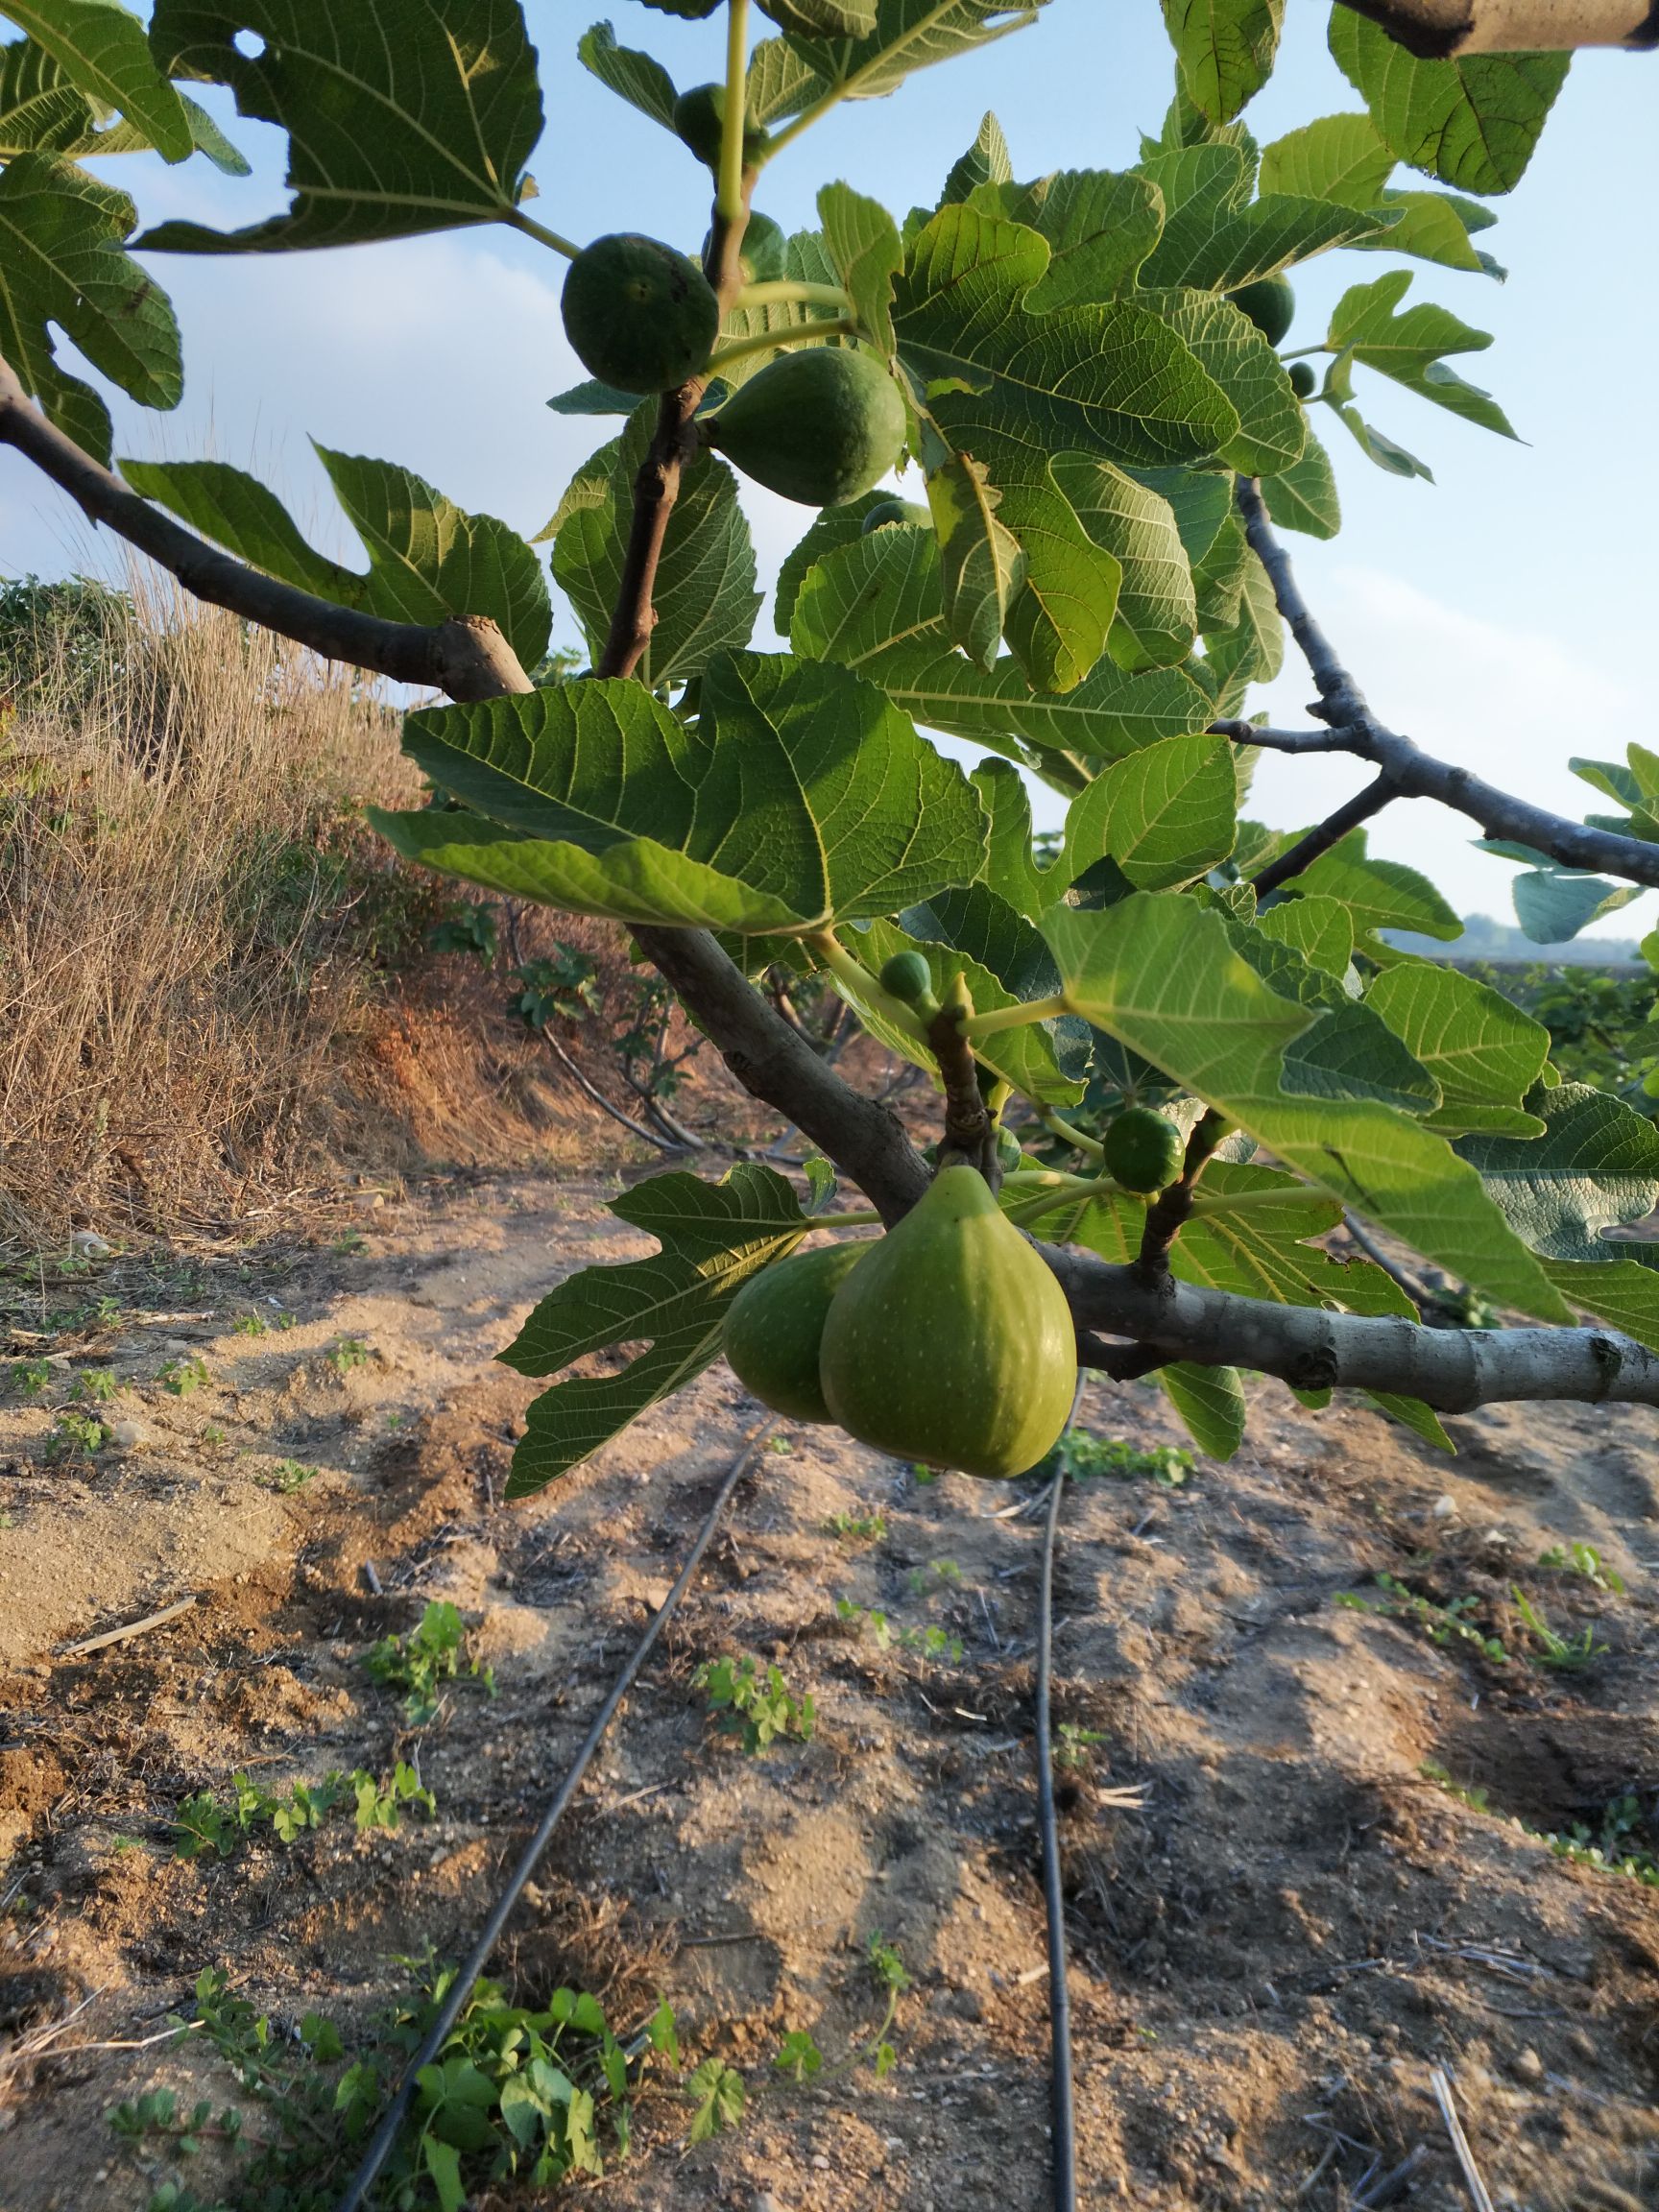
(1303, 377)
(699, 122)
(774, 1327)
(952, 1342)
(764, 253)
(1270, 303)
(1144, 1152)
(1010, 1154)
(821, 18)
(887, 512)
(640, 316)
(821, 425)
(907, 975)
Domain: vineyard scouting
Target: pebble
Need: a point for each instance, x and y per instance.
(1527, 2066)
(87, 1244)
(1444, 1507)
(125, 1435)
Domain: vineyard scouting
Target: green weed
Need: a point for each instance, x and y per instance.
(251, 1324)
(348, 1244)
(1075, 1749)
(1584, 1560)
(183, 1376)
(1606, 1849)
(931, 1641)
(417, 1663)
(856, 1528)
(30, 1377)
(350, 1352)
(1554, 1650)
(209, 1826)
(289, 1476)
(1444, 1624)
(94, 1386)
(75, 1436)
(755, 1703)
(1080, 1455)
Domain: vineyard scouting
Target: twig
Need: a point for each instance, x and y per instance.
(1440, 2082)
(1168, 1212)
(133, 1629)
(1416, 1291)
(1412, 773)
(593, 1090)
(1329, 832)
(1373, 2196)
(467, 656)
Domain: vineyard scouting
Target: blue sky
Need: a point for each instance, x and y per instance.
(1497, 615)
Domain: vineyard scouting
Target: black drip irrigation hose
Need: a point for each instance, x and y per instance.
(1064, 2121)
(455, 2003)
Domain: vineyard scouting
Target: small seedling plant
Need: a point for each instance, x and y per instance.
(1455, 1623)
(185, 1376)
(212, 1825)
(752, 1702)
(420, 1663)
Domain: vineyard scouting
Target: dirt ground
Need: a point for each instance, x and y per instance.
(1304, 1854)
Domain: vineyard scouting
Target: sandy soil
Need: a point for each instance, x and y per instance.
(1278, 1922)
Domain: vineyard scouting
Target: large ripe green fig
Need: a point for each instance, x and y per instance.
(821, 18)
(1303, 378)
(764, 254)
(820, 427)
(1270, 303)
(639, 314)
(953, 1343)
(1144, 1152)
(888, 512)
(699, 122)
(775, 1325)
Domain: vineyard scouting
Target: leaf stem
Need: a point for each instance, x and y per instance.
(770, 341)
(787, 291)
(861, 1221)
(729, 199)
(1079, 1140)
(1000, 1018)
(517, 219)
(1241, 1201)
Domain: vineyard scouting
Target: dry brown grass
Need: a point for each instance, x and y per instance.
(189, 917)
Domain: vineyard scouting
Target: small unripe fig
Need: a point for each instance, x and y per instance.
(1144, 1152)
(763, 254)
(639, 314)
(699, 122)
(1009, 1154)
(887, 512)
(907, 975)
(819, 426)
(1303, 377)
(1270, 303)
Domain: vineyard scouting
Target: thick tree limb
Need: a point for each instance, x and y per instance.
(1438, 30)
(1453, 1370)
(467, 656)
(1409, 772)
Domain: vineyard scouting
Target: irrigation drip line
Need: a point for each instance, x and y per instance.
(454, 2004)
(1065, 2124)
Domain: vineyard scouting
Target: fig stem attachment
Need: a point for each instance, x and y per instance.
(970, 1135)
(771, 341)
(729, 204)
(1001, 1017)
(791, 292)
(857, 979)
(519, 220)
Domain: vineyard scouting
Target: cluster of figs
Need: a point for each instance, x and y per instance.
(948, 1340)
(819, 425)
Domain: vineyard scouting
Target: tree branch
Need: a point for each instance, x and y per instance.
(465, 657)
(1438, 30)
(1313, 1349)
(1329, 832)
(1170, 1210)
(1410, 772)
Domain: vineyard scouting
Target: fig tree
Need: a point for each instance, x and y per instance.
(951, 1342)
(1270, 303)
(1144, 1152)
(639, 314)
(775, 1325)
(699, 122)
(891, 511)
(820, 427)
(1303, 377)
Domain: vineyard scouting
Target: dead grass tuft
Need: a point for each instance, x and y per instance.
(191, 909)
